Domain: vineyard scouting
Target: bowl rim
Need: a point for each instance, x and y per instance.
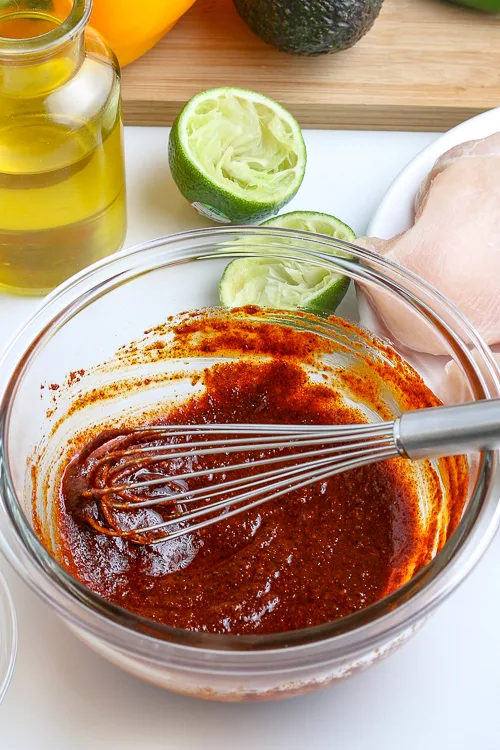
(364, 628)
(10, 635)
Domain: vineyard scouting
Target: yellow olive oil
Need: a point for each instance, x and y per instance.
(62, 185)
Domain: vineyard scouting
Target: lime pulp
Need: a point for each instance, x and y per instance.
(287, 284)
(236, 155)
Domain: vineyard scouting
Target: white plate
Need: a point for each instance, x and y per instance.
(396, 211)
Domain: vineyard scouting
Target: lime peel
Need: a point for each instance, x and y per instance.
(236, 154)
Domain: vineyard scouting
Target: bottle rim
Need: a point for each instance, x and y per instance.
(69, 28)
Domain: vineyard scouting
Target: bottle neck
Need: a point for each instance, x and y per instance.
(40, 50)
(37, 74)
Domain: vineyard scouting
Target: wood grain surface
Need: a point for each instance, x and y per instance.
(425, 65)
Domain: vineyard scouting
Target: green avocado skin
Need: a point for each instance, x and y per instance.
(309, 27)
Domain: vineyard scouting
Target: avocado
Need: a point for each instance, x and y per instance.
(309, 27)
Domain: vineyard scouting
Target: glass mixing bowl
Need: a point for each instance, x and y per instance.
(83, 323)
(8, 637)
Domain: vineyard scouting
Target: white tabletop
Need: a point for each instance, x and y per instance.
(439, 691)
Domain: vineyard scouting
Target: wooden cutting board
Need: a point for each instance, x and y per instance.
(425, 65)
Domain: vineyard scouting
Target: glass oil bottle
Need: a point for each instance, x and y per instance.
(62, 184)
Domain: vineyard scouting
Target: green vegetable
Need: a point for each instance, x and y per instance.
(490, 6)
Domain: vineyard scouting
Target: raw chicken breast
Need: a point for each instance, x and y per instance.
(454, 244)
(453, 389)
(470, 149)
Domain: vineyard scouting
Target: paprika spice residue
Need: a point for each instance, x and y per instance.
(320, 553)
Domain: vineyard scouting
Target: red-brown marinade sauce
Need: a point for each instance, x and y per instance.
(317, 554)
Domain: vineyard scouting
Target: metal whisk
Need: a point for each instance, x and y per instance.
(152, 475)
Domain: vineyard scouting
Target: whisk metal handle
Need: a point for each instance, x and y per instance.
(449, 430)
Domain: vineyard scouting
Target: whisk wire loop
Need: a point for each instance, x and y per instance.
(300, 455)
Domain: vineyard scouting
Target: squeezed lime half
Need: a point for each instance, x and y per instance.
(236, 155)
(287, 284)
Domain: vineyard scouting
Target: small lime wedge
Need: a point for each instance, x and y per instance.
(236, 155)
(287, 284)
